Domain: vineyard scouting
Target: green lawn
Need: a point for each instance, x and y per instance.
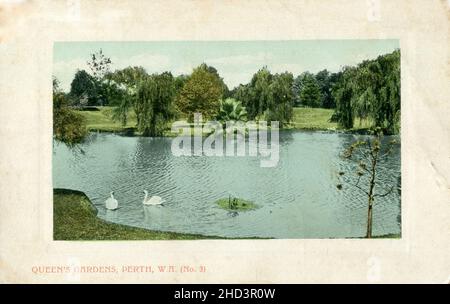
(75, 218)
(102, 121)
(319, 119)
(303, 119)
(313, 119)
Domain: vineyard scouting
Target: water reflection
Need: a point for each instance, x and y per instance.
(154, 215)
(111, 215)
(297, 198)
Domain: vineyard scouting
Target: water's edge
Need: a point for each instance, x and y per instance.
(299, 195)
(95, 210)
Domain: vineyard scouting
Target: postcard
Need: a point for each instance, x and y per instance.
(216, 141)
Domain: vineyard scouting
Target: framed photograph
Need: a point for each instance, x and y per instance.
(219, 142)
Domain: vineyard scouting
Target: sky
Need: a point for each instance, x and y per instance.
(236, 61)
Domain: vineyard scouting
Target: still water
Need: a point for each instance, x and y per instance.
(297, 199)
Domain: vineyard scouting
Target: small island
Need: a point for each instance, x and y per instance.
(236, 204)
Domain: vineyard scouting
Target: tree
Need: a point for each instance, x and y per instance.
(390, 92)
(201, 93)
(259, 93)
(150, 96)
(83, 88)
(56, 85)
(296, 89)
(243, 94)
(69, 127)
(368, 154)
(129, 76)
(99, 65)
(343, 94)
(180, 81)
(225, 91)
(231, 109)
(370, 91)
(310, 94)
(325, 83)
(281, 99)
(267, 96)
(154, 103)
(125, 83)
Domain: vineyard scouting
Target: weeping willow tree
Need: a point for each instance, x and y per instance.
(343, 93)
(371, 91)
(154, 104)
(281, 99)
(259, 93)
(126, 82)
(149, 96)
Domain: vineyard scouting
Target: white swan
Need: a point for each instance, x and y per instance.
(153, 201)
(111, 203)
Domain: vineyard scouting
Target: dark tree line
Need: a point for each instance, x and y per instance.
(92, 89)
(315, 90)
(267, 96)
(157, 99)
(369, 91)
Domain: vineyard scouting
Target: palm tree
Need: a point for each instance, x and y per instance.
(231, 109)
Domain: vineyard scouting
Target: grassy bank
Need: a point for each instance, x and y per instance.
(313, 119)
(75, 218)
(319, 119)
(101, 120)
(303, 119)
(388, 236)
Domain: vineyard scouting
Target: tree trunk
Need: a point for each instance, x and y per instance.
(371, 199)
(369, 218)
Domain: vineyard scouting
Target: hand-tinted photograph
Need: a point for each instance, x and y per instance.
(182, 140)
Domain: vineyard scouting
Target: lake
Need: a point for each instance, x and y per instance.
(297, 199)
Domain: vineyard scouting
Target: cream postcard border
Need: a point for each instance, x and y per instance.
(27, 32)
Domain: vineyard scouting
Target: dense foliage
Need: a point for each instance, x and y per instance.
(83, 89)
(368, 92)
(308, 91)
(201, 93)
(267, 96)
(153, 104)
(371, 91)
(92, 89)
(316, 90)
(69, 127)
(231, 109)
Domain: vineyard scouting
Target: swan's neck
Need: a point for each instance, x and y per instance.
(112, 195)
(145, 197)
